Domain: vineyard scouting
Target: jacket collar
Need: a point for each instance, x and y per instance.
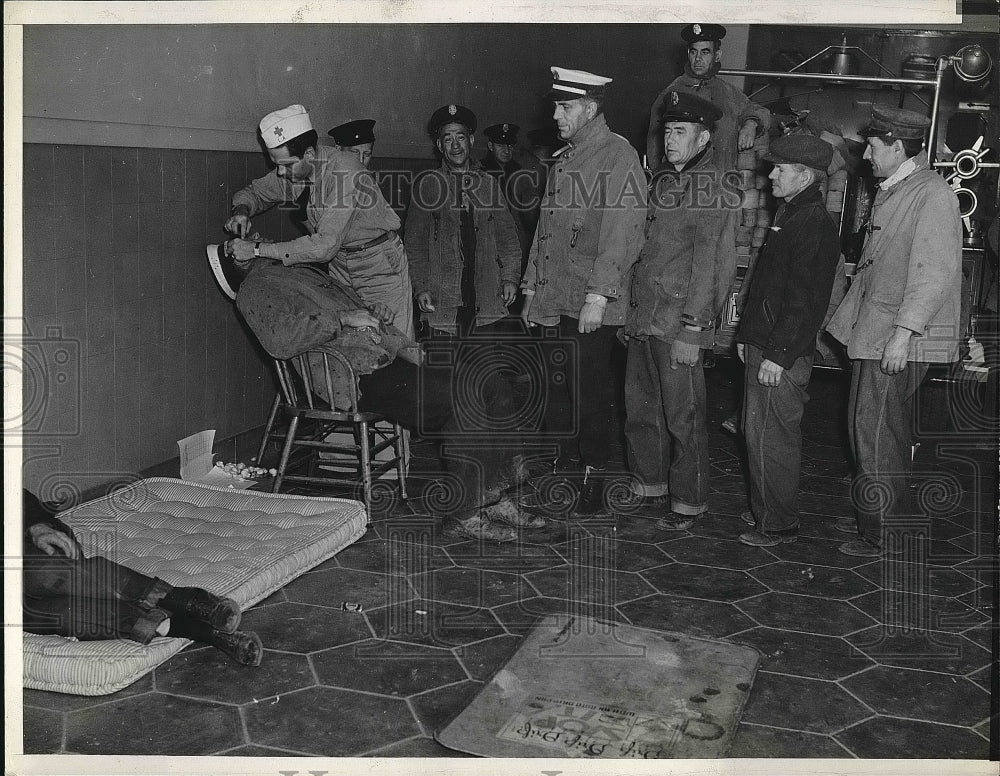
(595, 130)
(808, 196)
(702, 79)
(907, 168)
(700, 159)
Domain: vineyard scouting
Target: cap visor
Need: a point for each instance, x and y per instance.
(220, 262)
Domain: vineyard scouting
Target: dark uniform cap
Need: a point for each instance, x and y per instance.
(502, 134)
(451, 114)
(800, 149)
(354, 133)
(684, 106)
(897, 123)
(695, 32)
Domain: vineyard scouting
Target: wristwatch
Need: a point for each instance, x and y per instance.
(256, 250)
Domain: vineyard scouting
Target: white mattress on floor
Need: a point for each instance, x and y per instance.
(237, 543)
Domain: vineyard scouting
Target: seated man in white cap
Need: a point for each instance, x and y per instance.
(589, 235)
(742, 120)
(352, 229)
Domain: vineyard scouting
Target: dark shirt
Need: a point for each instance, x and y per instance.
(792, 280)
(466, 317)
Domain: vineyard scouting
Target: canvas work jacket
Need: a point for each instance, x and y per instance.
(736, 108)
(433, 243)
(909, 273)
(688, 263)
(345, 206)
(792, 280)
(590, 227)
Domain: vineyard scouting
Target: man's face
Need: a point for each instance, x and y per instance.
(502, 153)
(682, 140)
(885, 158)
(573, 115)
(702, 54)
(363, 152)
(787, 180)
(455, 144)
(290, 167)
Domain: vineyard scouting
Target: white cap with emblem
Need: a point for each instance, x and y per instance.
(280, 126)
(576, 83)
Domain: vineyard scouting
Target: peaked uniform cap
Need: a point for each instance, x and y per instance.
(354, 133)
(571, 84)
(280, 126)
(684, 106)
(502, 134)
(695, 32)
(451, 114)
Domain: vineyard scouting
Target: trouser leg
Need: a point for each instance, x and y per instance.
(596, 376)
(95, 578)
(773, 436)
(685, 415)
(465, 413)
(649, 445)
(881, 414)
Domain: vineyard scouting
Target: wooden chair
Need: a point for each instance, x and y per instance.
(312, 438)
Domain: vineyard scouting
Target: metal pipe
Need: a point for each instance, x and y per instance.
(942, 65)
(827, 77)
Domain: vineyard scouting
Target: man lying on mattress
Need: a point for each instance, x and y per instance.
(298, 309)
(67, 594)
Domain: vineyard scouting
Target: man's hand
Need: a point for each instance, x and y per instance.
(591, 317)
(508, 292)
(238, 224)
(424, 302)
(741, 351)
(683, 354)
(769, 374)
(241, 251)
(897, 349)
(359, 319)
(748, 134)
(525, 309)
(50, 541)
(382, 311)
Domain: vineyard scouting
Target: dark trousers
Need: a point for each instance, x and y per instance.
(665, 426)
(89, 598)
(773, 436)
(582, 381)
(881, 430)
(466, 410)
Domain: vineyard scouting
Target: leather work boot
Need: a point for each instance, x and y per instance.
(242, 646)
(506, 511)
(222, 614)
(482, 528)
(593, 494)
(553, 492)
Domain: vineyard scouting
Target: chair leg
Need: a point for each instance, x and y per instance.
(275, 406)
(286, 451)
(366, 463)
(401, 467)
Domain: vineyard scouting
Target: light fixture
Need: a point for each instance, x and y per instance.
(972, 63)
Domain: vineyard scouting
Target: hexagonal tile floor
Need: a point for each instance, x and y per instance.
(860, 658)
